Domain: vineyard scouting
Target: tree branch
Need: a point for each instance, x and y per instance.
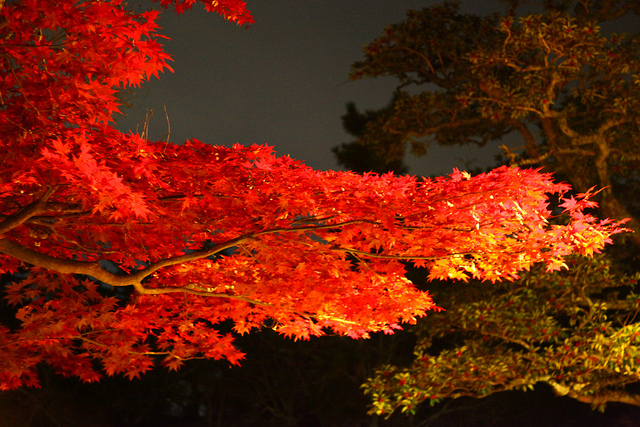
(529, 139)
(93, 269)
(35, 208)
(64, 266)
(596, 399)
(400, 257)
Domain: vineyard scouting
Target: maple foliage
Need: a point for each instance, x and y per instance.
(232, 10)
(125, 251)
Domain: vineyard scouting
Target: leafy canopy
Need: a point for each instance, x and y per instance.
(566, 92)
(574, 330)
(557, 88)
(125, 251)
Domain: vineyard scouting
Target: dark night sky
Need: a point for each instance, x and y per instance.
(282, 82)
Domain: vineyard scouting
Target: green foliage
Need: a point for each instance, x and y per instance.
(429, 48)
(576, 330)
(568, 94)
(564, 92)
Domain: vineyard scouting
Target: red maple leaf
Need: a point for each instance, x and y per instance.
(206, 234)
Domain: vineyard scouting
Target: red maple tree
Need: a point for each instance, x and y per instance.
(123, 251)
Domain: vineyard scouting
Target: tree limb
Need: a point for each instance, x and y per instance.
(35, 208)
(601, 398)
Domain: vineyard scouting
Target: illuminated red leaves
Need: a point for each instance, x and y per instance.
(311, 251)
(232, 10)
(209, 234)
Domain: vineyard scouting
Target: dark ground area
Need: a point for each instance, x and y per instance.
(282, 383)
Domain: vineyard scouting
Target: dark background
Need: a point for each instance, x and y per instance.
(284, 81)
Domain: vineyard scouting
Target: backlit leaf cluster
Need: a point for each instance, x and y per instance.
(119, 252)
